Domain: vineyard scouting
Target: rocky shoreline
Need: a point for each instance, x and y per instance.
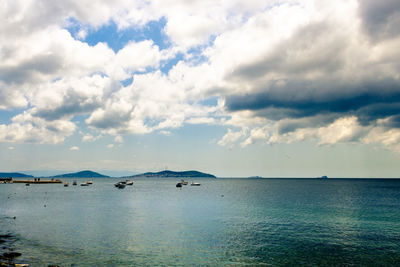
(8, 254)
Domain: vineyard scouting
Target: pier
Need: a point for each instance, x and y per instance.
(37, 181)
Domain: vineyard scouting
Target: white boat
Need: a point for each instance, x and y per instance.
(183, 182)
(89, 182)
(66, 184)
(128, 182)
(84, 184)
(195, 184)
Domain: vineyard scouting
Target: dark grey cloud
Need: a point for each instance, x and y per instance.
(380, 18)
(28, 70)
(72, 104)
(368, 101)
(290, 125)
(111, 119)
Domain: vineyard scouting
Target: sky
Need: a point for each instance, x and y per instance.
(288, 88)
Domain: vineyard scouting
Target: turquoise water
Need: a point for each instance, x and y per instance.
(223, 222)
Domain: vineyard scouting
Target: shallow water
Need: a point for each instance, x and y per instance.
(238, 222)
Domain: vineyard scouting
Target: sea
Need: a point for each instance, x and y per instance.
(222, 222)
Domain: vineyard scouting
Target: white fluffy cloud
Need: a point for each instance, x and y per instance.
(31, 129)
(230, 138)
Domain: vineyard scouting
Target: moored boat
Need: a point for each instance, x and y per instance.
(194, 184)
(179, 185)
(183, 182)
(66, 184)
(128, 182)
(120, 185)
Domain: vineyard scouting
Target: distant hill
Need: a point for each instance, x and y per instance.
(171, 174)
(13, 174)
(81, 174)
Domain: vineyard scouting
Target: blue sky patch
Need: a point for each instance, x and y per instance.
(117, 39)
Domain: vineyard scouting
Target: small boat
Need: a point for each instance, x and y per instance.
(84, 184)
(195, 184)
(74, 183)
(179, 185)
(128, 182)
(66, 184)
(89, 182)
(27, 184)
(183, 182)
(120, 185)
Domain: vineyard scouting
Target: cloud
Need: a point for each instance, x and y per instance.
(315, 76)
(119, 139)
(230, 138)
(89, 137)
(281, 71)
(26, 128)
(380, 18)
(10, 96)
(166, 133)
(256, 134)
(201, 120)
(154, 101)
(70, 97)
(74, 148)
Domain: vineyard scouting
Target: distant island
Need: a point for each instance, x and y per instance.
(14, 174)
(82, 174)
(172, 174)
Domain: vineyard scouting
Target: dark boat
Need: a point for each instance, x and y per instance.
(179, 185)
(120, 185)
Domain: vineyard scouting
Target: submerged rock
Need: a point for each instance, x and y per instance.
(11, 255)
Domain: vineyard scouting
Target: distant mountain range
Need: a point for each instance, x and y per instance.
(92, 174)
(171, 174)
(82, 174)
(14, 174)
